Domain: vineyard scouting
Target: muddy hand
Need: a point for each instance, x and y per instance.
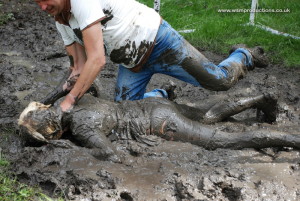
(58, 92)
(68, 103)
(268, 108)
(62, 89)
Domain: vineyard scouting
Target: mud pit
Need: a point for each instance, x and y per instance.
(32, 60)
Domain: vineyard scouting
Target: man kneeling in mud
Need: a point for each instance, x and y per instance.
(93, 121)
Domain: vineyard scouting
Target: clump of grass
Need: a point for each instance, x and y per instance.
(5, 17)
(218, 31)
(11, 189)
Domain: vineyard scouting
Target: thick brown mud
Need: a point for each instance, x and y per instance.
(33, 60)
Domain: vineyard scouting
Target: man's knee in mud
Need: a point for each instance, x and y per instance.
(222, 84)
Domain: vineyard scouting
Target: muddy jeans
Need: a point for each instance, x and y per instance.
(174, 56)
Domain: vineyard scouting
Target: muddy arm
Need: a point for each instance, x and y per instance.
(100, 147)
(171, 125)
(86, 131)
(62, 89)
(77, 58)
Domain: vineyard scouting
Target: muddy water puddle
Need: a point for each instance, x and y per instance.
(143, 177)
(17, 59)
(39, 79)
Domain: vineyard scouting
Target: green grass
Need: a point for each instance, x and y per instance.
(216, 31)
(5, 17)
(11, 189)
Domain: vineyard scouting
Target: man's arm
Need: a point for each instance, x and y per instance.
(95, 61)
(76, 53)
(77, 58)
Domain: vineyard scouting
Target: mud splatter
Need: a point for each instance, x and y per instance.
(109, 16)
(130, 53)
(78, 33)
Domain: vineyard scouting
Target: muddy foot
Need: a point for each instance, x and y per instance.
(267, 111)
(169, 87)
(260, 60)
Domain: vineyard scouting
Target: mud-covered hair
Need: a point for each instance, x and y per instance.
(38, 122)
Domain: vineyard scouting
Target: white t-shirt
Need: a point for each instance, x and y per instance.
(129, 27)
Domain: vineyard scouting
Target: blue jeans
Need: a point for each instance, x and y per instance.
(172, 55)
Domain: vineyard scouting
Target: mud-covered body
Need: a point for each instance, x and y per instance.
(125, 120)
(93, 122)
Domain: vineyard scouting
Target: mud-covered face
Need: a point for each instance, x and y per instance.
(40, 122)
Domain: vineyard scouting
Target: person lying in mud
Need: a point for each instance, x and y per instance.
(142, 43)
(94, 121)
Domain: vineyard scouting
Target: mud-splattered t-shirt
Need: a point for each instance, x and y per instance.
(129, 27)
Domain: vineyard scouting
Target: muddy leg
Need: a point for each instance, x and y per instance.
(168, 123)
(196, 110)
(174, 56)
(216, 77)
(227, 108)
